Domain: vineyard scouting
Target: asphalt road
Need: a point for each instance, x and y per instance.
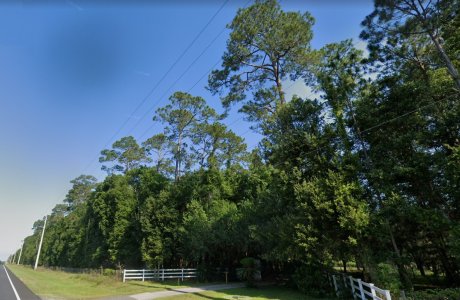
(11, 288)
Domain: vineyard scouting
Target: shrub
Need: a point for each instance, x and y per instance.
(312, 280)
(109, 272)
(436, 294)
(387, 277)
(250, 272)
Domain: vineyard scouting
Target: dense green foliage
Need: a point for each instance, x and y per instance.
(436, 294)
(366, 170)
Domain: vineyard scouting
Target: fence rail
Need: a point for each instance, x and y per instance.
(159, 274)
(359, 289)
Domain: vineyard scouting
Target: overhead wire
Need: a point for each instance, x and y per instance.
(151, 91)
(316, 149)
(151, 109)
(208, 72)
(250, 128)
(188, 91)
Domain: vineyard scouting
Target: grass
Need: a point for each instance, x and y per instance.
(264, 293)
(62, 285)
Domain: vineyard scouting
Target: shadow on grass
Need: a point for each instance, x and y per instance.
(266, 292)
(211, 297)
(167, 285)
(148, 285)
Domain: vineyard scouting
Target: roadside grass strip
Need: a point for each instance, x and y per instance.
(61, 285)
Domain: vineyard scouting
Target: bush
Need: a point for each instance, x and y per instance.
(387, 277)
(250, 272)
(109, 272)
(312, 280)
(205, 273)
(436, 294)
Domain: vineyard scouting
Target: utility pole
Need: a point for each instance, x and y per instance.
(40, 245)
(20, 252)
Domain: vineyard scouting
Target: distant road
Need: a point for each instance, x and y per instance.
(11, 288)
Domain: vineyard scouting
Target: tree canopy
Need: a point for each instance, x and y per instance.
(366, 170)
(266, 46)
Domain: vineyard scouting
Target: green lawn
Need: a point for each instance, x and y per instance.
(265, 293)
(61, 285)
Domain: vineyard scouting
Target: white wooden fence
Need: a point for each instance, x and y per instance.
(358, 288)
(159, 274)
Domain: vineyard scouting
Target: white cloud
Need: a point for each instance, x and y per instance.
(297, 87)
(361, 45)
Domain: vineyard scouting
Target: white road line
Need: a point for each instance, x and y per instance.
(12, 285)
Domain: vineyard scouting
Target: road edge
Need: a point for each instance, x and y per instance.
(23, 290)
(11, 283)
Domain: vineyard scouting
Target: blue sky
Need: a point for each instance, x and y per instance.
(72, 73)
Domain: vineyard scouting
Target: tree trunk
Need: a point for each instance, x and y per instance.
(405, 279)
(420, 265)
(421, 15)
(178, 158)
(279, 88)
(450, 66)
(450, 269)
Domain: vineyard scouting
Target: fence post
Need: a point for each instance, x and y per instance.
(162, 274)
(182, 274)
(352, 287)
(372, 290)
(124, 278)
(143, 274)
(361, 290)
(387, 295)
(335, 286)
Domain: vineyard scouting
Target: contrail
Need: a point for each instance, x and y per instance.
(141, 73)
(75, 5)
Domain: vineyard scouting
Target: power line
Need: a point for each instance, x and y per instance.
(401, 116)
(379, 124)
(159, 82)
(250, 129)
(150, 110)
(180, 77)
(235, 121)
(188, 91)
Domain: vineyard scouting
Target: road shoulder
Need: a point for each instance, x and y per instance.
(24, 292)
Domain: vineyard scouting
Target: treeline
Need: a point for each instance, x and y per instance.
(366, 170)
